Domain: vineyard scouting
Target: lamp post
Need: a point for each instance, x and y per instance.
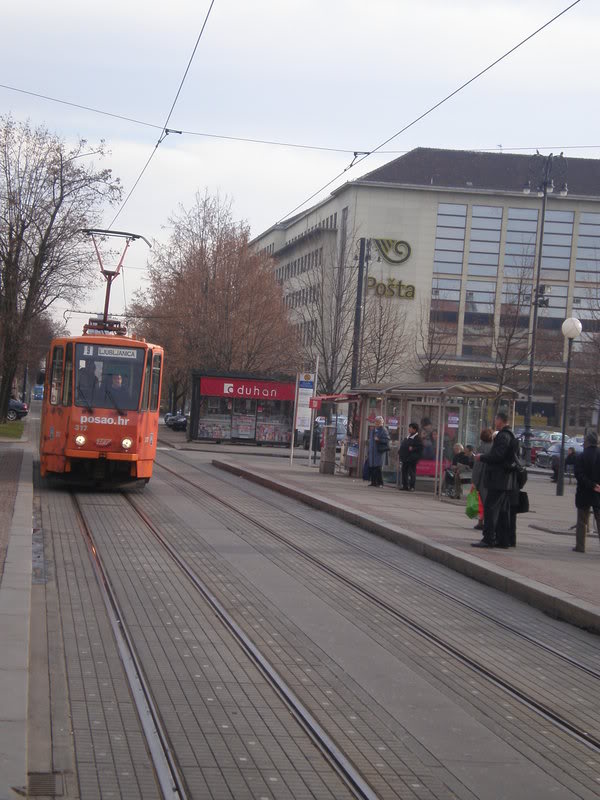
(571, 329)
(535, 297)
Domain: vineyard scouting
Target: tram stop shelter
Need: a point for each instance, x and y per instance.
(447, 413)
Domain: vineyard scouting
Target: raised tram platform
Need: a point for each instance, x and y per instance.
(81, 655)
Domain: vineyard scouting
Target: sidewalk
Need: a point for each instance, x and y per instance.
(16, 498)
(542, 571)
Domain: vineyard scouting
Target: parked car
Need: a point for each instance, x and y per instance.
(342, 426)
(548, 459)
(16, 410)
(179, 422)
(38, 392)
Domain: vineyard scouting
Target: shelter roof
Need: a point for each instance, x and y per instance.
(439, 389)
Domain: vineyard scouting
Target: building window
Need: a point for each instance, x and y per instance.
(450, 239)
(587, 265)
(484, 245)
(519, 251)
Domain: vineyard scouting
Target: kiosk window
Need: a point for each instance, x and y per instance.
(56, 375)
(155, 382)
(68, 382)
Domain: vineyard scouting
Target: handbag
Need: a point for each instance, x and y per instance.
(523, 504)
(472, 509)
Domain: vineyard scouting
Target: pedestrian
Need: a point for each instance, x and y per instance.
(379, 444)
(479, 467)
(587, 495)
(428, 439)
(500, 482)
(411, 450)
(460, 462)
(570, 460)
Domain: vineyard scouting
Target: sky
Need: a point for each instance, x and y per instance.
(337, 74)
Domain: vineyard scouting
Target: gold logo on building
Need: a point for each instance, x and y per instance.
(393, 250)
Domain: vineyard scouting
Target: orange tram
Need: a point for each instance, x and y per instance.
(101, 406)
(101, 400)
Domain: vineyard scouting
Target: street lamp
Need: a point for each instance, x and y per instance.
(571, 329)
(547, 187)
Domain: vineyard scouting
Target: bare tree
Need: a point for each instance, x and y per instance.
(385, 338)
(212, 302)
(323, 303)
(435, 336)
(48, 193)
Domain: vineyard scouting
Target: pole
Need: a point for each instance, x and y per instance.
(294, 421)
(312, 418)
(535, 298)
(560, 483)
(363, 311)
(24, 385)
(357, 313)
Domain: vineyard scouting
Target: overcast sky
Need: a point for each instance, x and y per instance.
(333, 73)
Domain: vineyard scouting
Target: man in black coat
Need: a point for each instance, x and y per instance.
(410, 454)
(500, 482)
(587, 474)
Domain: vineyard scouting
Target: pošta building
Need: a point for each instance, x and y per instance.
(452, 245)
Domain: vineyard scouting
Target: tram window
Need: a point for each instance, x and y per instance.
(156, 361)
(68, 381)
(147, 376)
(56, 376)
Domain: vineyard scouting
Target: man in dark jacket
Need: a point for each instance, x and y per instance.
(500, 483)
(587, 474)
(410, 454)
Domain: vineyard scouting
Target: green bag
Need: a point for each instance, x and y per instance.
(472, 509)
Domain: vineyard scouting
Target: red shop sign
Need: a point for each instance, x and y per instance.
(247, 388)
(314, 402)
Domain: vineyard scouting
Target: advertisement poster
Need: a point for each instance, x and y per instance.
(306, 387)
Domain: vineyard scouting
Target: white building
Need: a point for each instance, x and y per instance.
(454, 237)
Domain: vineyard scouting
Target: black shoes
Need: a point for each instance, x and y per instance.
(478, 527)
(483, 543)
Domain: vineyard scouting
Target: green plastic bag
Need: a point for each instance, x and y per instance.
(472, 509)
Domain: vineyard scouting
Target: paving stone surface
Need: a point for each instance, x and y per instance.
(10, 467)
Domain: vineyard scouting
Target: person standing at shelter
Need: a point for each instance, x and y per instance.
(410, 454)
(379, 444)
(478, 475)
(587, 474)
(500, 482)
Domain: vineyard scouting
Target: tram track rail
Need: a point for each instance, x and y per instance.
(542, 709)
(171, 781)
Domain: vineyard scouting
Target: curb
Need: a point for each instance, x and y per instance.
(553, 602)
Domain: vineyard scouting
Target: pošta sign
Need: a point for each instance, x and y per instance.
(391, 288)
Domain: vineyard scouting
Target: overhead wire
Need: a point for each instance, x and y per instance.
(165, 130)
(274, 142)
(356, 161)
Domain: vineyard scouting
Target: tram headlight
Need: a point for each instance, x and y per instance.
(126, 443)
(80, 440)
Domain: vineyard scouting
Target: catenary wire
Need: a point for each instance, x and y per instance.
(275, 142)
(357, 160)
(165, 131)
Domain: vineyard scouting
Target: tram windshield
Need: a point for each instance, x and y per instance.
(108, 376)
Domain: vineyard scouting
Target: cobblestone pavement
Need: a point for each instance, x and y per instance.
(10, 466)
(416, 721)
(540, 675)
